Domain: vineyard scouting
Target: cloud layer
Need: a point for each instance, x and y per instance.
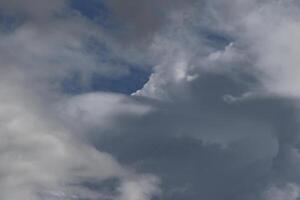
(218, 117)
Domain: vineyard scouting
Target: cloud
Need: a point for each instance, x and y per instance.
(290, 191)
(33, 9)
(41, 155)
(141, 20)
(143, 188)
(218, 118)
(258, 58)
(99, 110)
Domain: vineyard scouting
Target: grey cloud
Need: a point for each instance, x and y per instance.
(203, 145)
(256, 139)
(33, 9)
(141, 20)
(193, 170)
(193, 126)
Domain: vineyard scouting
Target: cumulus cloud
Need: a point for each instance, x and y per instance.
(243, 54)
(217, 119)
(41, 155)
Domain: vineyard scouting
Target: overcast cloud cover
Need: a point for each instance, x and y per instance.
(149, 100)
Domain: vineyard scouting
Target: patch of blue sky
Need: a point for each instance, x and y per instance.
(94, 10)
(99, 48)
(9, 23)
(113, 74)
(131, 78)
(128, 83)
(217, 40)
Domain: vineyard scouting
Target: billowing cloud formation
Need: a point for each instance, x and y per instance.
(217, 119)
(227, 76)
(42, 156)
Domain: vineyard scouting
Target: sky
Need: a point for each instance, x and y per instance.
(149, 100)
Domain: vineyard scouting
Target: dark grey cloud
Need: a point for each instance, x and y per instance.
(139, 21)
(33, 9)
(203, 144)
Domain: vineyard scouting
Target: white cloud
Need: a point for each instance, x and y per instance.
(143, 188)
(98, 110)
(40, 154)
(288, 192)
